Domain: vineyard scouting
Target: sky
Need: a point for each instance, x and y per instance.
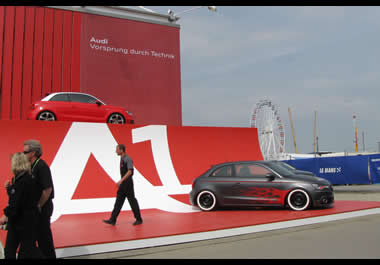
(306, 58)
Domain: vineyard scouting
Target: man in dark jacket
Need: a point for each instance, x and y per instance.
(41, 171)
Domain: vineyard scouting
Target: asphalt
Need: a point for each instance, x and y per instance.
(357, 192)
(372, 188)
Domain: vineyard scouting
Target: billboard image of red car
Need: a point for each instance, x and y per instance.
(72, 106)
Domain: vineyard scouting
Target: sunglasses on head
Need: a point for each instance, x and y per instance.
(27, 152)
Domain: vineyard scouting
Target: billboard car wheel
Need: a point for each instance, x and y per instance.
(116, 118)
(46, 116)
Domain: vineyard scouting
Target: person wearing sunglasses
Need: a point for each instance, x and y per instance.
(41, 171)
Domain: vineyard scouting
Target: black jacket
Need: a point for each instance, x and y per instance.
(23, 199)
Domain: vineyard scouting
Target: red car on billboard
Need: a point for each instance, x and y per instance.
(74, 106)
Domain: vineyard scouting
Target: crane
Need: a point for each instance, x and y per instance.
(315, 130)
(356, 134)
(294, 136)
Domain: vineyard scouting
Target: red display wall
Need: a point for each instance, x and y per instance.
(135, 65)
(39, 51)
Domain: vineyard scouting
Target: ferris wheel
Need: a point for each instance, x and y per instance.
(265, 117)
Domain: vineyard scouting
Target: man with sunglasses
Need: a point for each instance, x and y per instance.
(41, 171)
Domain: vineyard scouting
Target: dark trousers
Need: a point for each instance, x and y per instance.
(44, 235)
(22, 234)
(126, 191)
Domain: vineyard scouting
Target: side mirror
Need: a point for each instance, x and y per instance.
(98, 103)
(270, 176)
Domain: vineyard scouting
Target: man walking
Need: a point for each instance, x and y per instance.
(125, 189)
(41, 171)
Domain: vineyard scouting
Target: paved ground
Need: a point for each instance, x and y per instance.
(351, 238)
(357, 192)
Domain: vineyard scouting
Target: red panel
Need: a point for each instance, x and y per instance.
(125, 63)
(17, 63)
(37, 54)
(103, 185)
(223, 144)
(66, 57)
(2, 16)
(28, 60)
(57, 51)
(7, 63)
(75, 67)
(48, 52)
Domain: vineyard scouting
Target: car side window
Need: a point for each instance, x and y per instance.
(259, 170)
(225, 171)
(82, 98)
(251, 170)
(60, 97)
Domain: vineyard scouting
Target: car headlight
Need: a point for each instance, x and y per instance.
(319, 186)
(130, 113)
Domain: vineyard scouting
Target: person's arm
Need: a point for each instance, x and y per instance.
(16, 198)
(44, 196)
(3, 219)
(127, 175)
(6, 184)
(44, 174)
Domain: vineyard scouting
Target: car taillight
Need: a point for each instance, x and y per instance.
(32, 106)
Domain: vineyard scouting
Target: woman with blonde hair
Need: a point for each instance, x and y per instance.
(21, 214)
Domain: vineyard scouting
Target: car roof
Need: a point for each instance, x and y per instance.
(244, 162)
(48, 97)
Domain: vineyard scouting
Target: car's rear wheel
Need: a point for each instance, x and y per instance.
(46, 116)
(298, 200)
(116, 118)
(206, 200)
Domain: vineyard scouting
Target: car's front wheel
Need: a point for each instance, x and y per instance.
(206, 200)
(298, 200)
(46, 116)
(116, 118)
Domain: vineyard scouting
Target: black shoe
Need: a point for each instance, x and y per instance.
(138, 222)
(109, 221)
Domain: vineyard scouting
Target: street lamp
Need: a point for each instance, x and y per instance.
(174, 17)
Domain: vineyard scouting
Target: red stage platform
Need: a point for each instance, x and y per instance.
(85, 230)
(88, 229)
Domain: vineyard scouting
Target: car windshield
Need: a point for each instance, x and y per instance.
(281, 169)
(286, 165)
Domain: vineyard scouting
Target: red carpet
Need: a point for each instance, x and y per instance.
(88, 229)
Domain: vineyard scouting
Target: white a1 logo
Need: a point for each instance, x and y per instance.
(84, 139)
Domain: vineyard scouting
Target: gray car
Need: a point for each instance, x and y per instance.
(259, 183)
